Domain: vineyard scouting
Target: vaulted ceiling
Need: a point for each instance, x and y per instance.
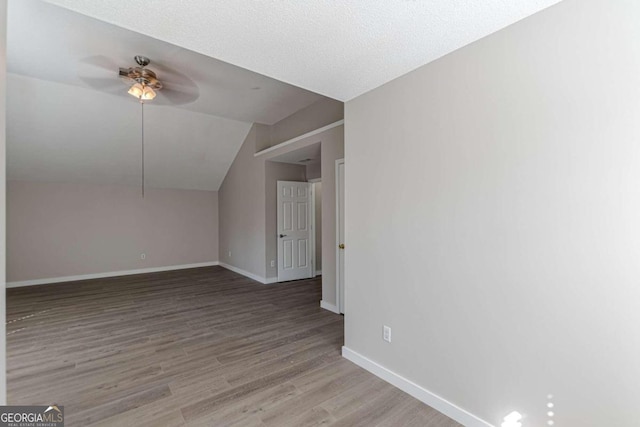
(70, 118)
(239, 62)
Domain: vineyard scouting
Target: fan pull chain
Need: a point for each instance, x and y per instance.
(142, 107)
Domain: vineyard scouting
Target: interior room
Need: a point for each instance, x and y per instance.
(355, 213)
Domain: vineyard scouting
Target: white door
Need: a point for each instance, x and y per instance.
(294, 231)
(340, 233)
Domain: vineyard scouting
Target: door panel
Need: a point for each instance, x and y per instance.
(287, 211)
(288, 254)
(303, 257)
(303, 215)
(294, 231)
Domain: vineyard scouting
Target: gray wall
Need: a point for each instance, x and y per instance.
(248, 208)
(492, 220)
(241, 200)
(315, 116)
(58, 230)
(314, 171)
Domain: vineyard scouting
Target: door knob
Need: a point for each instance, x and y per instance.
(283, 235)
(341, 245)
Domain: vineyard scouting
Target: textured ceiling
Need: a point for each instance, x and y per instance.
(339, 48)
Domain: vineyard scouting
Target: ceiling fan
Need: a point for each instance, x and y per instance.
(177, 89)
(144, 84)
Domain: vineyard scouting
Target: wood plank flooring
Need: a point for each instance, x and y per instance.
(199, 347)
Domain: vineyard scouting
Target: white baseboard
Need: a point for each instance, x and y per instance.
(107, 274)
(330, 307)
(318, 273)
(245, 273)
(436, 402)
(263, 280)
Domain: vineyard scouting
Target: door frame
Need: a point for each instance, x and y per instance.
(337, 249)
(313, 222)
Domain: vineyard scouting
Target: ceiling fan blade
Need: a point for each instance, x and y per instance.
(168, 74)
(173, 94)
(109, 85)
(101, 62)
(100, 73)
(178, 89)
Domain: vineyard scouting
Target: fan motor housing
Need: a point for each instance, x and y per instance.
(141, 75)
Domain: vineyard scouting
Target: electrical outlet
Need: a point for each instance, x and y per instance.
(273, 263)
(143, 256)
(386, 333)
(229, 254)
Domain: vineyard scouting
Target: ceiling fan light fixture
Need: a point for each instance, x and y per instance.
(142, 92)
(136, 90)
(147, 93)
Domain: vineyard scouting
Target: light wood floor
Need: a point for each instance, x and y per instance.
(200, 347)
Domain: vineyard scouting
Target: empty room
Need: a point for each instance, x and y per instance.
(347, 213)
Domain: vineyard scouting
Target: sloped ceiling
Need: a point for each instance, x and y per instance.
(55, 135)
(71, 120)
(339, 48)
